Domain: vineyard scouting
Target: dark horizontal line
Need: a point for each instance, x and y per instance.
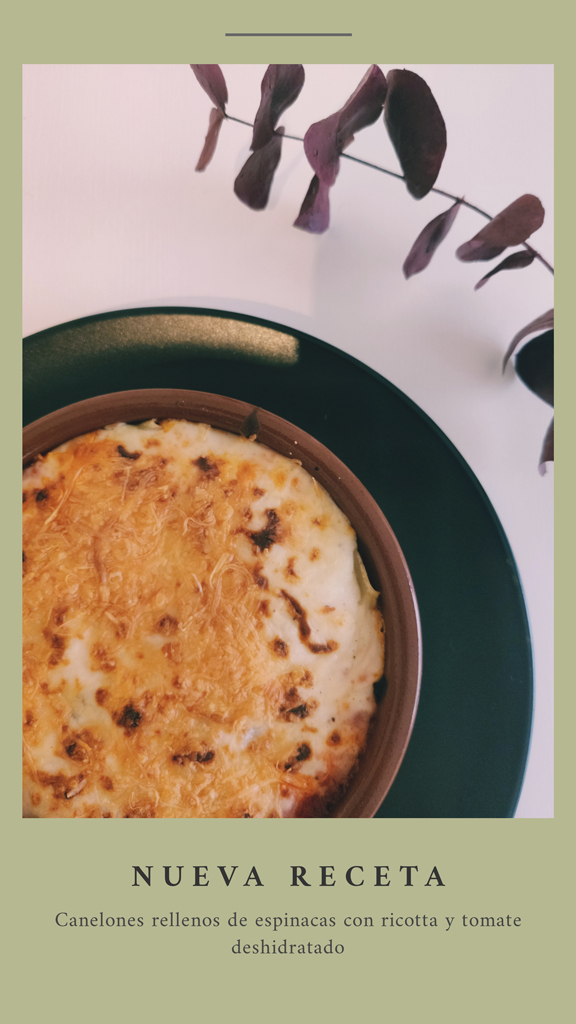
(288, 34)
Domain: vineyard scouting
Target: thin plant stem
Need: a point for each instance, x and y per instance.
(394, 174)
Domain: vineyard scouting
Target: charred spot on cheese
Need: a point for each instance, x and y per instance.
(303, 753)
(59, 615)
(259, 579)
(294, 707)
(57, 641)
(289, 571)
(269, 534)
(207, 468)
(77, 752)
(199, 757)
(327, 648)
(183, 758)
(205, 758)
(128, 718)
(300, 712)
(167, 625)
(299, 615)
(63, 786)
(173, 618)
(58, 644)
(291, 696)
(280, 647)
(128, 455)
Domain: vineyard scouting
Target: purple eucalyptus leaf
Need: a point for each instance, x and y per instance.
(416, 128)
(314, 213)
(476, 250)
(541, 323)
(535, 366)
(280, 87)
(428, 241)
(326, 140)
(515, 261)
(212, 81)
(253, 184)
(322, 149)
(214, 126)
(511, 226)
(364, 106)
(547, 453)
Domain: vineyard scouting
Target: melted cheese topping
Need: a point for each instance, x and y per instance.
(200, 636)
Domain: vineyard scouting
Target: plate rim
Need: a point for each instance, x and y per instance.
(196, 311)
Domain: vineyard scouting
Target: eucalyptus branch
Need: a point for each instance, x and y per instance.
(400, 177)
(417, 130)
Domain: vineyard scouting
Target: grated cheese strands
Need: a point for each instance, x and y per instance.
(199, 640)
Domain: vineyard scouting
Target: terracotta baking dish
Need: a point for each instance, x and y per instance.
(399, 690)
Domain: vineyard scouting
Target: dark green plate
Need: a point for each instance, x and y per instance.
(468, 750)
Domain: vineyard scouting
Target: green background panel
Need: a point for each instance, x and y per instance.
(517, 867)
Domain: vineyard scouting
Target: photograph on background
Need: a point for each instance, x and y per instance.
(287, 441)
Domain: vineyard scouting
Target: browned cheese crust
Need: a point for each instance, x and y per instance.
(170, 651)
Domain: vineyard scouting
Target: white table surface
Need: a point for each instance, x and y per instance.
(115, 217)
